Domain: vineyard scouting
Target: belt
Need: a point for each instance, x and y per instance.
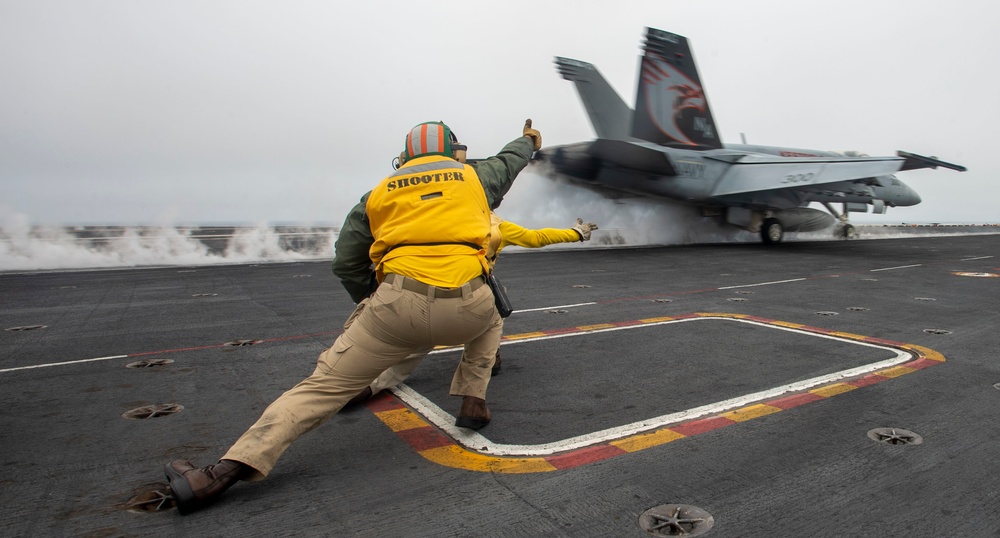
(439, 292)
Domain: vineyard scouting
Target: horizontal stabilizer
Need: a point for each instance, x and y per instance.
(914, 162)
(637, 156)
(609, 114)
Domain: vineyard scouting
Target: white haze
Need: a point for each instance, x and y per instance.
(123, 112)
(25, 248)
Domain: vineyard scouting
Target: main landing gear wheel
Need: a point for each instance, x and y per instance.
(772, 231)
(848, 232)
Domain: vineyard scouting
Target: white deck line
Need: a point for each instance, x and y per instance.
(899, 267)
(551, 307)
(64, 363)
(762, 284)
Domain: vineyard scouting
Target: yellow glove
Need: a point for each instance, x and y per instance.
(534, 135)
(584, 229)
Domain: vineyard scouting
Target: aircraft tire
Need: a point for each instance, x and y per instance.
(849, 232)
(772, 231)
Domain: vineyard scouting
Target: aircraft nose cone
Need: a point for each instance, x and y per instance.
(902, 195)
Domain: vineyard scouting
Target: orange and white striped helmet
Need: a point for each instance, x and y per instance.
(431, 138)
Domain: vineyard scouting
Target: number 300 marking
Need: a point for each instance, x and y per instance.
(798, 178)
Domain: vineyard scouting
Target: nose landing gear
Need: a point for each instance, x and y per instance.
(772, 231)
(844, 229)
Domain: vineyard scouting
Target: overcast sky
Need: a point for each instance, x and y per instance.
(208, 111)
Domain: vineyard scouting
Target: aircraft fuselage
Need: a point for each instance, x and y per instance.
(698, 173)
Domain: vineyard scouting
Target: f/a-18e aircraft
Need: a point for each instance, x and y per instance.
(669, 147)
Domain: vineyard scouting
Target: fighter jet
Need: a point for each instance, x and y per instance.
(669, 148)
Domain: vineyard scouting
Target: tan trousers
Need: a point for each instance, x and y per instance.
(395, 324)
(396, 374)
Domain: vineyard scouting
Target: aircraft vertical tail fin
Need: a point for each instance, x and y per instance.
(671, 108)
(609, 114)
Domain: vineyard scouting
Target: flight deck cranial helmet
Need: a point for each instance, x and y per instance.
(432, 138)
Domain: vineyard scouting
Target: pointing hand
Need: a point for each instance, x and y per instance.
(584, 229)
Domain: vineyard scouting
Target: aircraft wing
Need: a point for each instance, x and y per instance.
(913, 162)
(750, 173)
(753, 172)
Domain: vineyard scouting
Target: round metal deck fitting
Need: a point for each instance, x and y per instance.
(662, 300)
(996, 386)
(153, 411)
(926, 299)
(147, 363)
(826, 313)
(580, 286)
(27, 328)
(676, 520)
(857, 308)
(237, 343)
(895, 436)
(557, 311)
(869, 280)
(155, 497)
(204, 295)
(744, 292)
(937, 331)
(737, 299)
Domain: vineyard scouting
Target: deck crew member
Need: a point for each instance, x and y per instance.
(428, 222)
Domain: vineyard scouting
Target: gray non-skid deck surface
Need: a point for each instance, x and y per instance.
(640, 372)
(70, 460)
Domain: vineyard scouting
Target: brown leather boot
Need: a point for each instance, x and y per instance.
(474, 413)
(496, 365)
(195, 488)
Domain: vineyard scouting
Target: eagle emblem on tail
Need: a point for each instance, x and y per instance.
(669, 92)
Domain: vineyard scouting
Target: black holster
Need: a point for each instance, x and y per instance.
(499, 295)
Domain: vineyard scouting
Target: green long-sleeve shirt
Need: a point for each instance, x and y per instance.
(351, 262)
